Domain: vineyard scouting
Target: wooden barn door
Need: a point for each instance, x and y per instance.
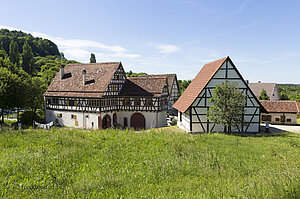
(106, 122)
(137, 121)
(99, 122)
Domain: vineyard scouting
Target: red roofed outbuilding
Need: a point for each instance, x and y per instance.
(280, 112)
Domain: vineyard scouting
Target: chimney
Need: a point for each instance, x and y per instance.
(83, 77)
(247, 81)
(62, 71)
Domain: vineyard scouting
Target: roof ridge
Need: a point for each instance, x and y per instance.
(95, 63)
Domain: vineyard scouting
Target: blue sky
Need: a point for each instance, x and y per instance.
(262, 37)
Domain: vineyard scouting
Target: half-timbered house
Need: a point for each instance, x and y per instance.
(173, 89)
(194, 104)
(99, 95)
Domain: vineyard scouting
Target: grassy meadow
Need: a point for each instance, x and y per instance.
(160, 163)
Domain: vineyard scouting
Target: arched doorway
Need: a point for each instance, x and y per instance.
(137, 121)
(106, 122)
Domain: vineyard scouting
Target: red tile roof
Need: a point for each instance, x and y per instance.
(144, 86)
(170, 77)
(98, 76)
(198, 84)
(280, 106)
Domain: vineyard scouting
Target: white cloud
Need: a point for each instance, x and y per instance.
(80, 50)
(165, 48)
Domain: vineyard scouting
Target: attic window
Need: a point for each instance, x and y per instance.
(289, 120)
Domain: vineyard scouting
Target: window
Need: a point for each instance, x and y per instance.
(180, 116)
(266, 117)
(59, 115)
(74, 117)
(137, 102)
(277, 119)
(71, 102)
(55, 100)
(288, 120)
(165, 89)
(114, 102)
(93, 103)
(126, 102)
(103, 102)
(76, 123)
(149, 102)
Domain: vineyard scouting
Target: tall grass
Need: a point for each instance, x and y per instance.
(162, 163)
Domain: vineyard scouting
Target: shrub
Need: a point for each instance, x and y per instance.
(174, 122)
(28, 117)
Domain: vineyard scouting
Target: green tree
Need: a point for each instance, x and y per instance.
(227, 106)
(183, 84)
(9, 83)
(27, 58)
(93, 58)
(37, 87)
(14, 54)
(284, 96)
(263, 95)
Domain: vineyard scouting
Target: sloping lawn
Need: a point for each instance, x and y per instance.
(161, 163)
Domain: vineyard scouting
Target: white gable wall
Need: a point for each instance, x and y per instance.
(201, 104)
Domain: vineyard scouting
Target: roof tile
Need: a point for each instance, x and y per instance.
(280, 106)
(197, 85)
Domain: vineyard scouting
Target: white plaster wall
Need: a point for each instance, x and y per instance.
(152, 119)
(90, 120)
(87, 120)
(292, 116)
(185, 123)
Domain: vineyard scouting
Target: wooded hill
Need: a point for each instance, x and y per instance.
(27, 66)
(289, 91)
(39, 46)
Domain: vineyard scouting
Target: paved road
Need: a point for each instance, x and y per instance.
(279, 128)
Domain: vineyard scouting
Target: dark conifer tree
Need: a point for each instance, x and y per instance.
(14, 54)
(27, 58)
(93, 58)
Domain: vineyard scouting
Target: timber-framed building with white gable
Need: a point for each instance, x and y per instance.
(99, 95)
(194, 104)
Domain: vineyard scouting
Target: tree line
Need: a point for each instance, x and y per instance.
(26, 71)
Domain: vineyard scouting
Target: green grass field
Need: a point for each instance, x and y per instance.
(162, 163)
(298, 121)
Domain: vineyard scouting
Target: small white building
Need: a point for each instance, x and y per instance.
(194, 104)
(99, 95)
(280, 112)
